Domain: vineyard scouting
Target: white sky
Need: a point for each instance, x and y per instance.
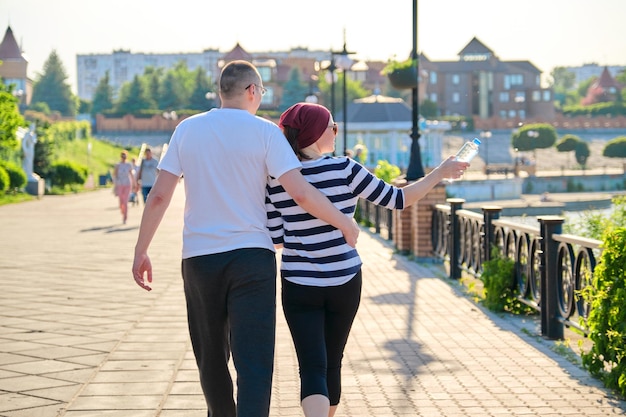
(548, 33)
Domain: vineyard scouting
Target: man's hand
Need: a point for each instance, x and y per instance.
(142, 266)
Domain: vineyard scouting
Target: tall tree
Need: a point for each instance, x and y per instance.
(52, 88)
(563, 81)
(133, 98)
(152, 78)
(294, 90)
(103, 96)
(170, 93)
(198, 99)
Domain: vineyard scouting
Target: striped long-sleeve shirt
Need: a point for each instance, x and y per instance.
(314, 252)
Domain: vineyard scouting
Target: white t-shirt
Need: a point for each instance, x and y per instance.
(225, 157)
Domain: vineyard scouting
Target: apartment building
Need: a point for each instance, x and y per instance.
(481, 85)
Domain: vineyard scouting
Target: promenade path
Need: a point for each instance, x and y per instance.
(78, 338)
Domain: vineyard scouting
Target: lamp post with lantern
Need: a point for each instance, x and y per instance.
(344, 63)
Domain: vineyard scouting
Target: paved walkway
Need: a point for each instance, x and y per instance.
(78, 338)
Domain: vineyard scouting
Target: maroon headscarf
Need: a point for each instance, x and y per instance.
(309, 118)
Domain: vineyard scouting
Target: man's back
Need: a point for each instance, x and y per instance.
(225, 156)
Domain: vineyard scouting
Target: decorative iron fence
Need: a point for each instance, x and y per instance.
(380, 218)
(551, 268)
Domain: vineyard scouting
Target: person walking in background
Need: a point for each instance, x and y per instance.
(132, 198)
(148, 171)
(320, 273)
(225, 156)
(124, 178)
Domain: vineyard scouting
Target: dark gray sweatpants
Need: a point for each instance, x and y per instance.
(231, 307)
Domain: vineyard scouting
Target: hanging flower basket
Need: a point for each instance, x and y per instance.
(403, 78)
(402, 75)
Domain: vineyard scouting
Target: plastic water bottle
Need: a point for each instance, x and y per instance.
(468, 151)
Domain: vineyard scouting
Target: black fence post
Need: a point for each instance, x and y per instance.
(390, 224)
(490, 213)
(551, 326)
(455, 237)
(377, 219)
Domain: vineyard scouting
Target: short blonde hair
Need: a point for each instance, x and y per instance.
(236, 76)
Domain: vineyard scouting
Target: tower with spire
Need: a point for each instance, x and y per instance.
(14, 67)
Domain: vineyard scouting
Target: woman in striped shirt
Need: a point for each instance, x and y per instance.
(320, 273)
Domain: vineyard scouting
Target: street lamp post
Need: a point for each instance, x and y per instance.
(415, 169)
(344, 63)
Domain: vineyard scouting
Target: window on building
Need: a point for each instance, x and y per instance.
(91, 63)
(536, 96)
(433, 77)
(504, 97)
(547, 95)
(520, 97)
(433, 97)
(502, 114)
(511, 80)
(456, 79)
(266, 74)
(456, 97)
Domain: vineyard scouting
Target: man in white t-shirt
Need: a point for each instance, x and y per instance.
(229, 267)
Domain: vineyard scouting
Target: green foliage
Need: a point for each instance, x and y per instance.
(429, 109)
(5, 181)
(294, 90)
(533, 136)
(354, 88)
(198, 99)
(582, 153)
(607, 318)
(10, 120)
(394, 65)
(597, 109)
(386, 171)
(500, 291)
(103, 96)
(68, 173)
(615, 148)
(498, 279)
(593, 225)
(134, 98)
(52, 88)
(17, 176)
(568, 143)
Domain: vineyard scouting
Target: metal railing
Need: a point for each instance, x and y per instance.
(551, 268)
(380, 218)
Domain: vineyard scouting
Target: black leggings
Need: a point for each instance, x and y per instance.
(320, 319)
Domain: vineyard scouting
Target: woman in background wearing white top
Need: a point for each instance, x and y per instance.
(320, 273)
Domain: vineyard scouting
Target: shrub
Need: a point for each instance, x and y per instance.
(17, 176)
(5, 181)
(607, 318)
(386, 171)
(615, 148)
(500, 291)
(68, 173)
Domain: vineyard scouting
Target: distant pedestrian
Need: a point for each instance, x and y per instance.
(148, 171)
(124, 183)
